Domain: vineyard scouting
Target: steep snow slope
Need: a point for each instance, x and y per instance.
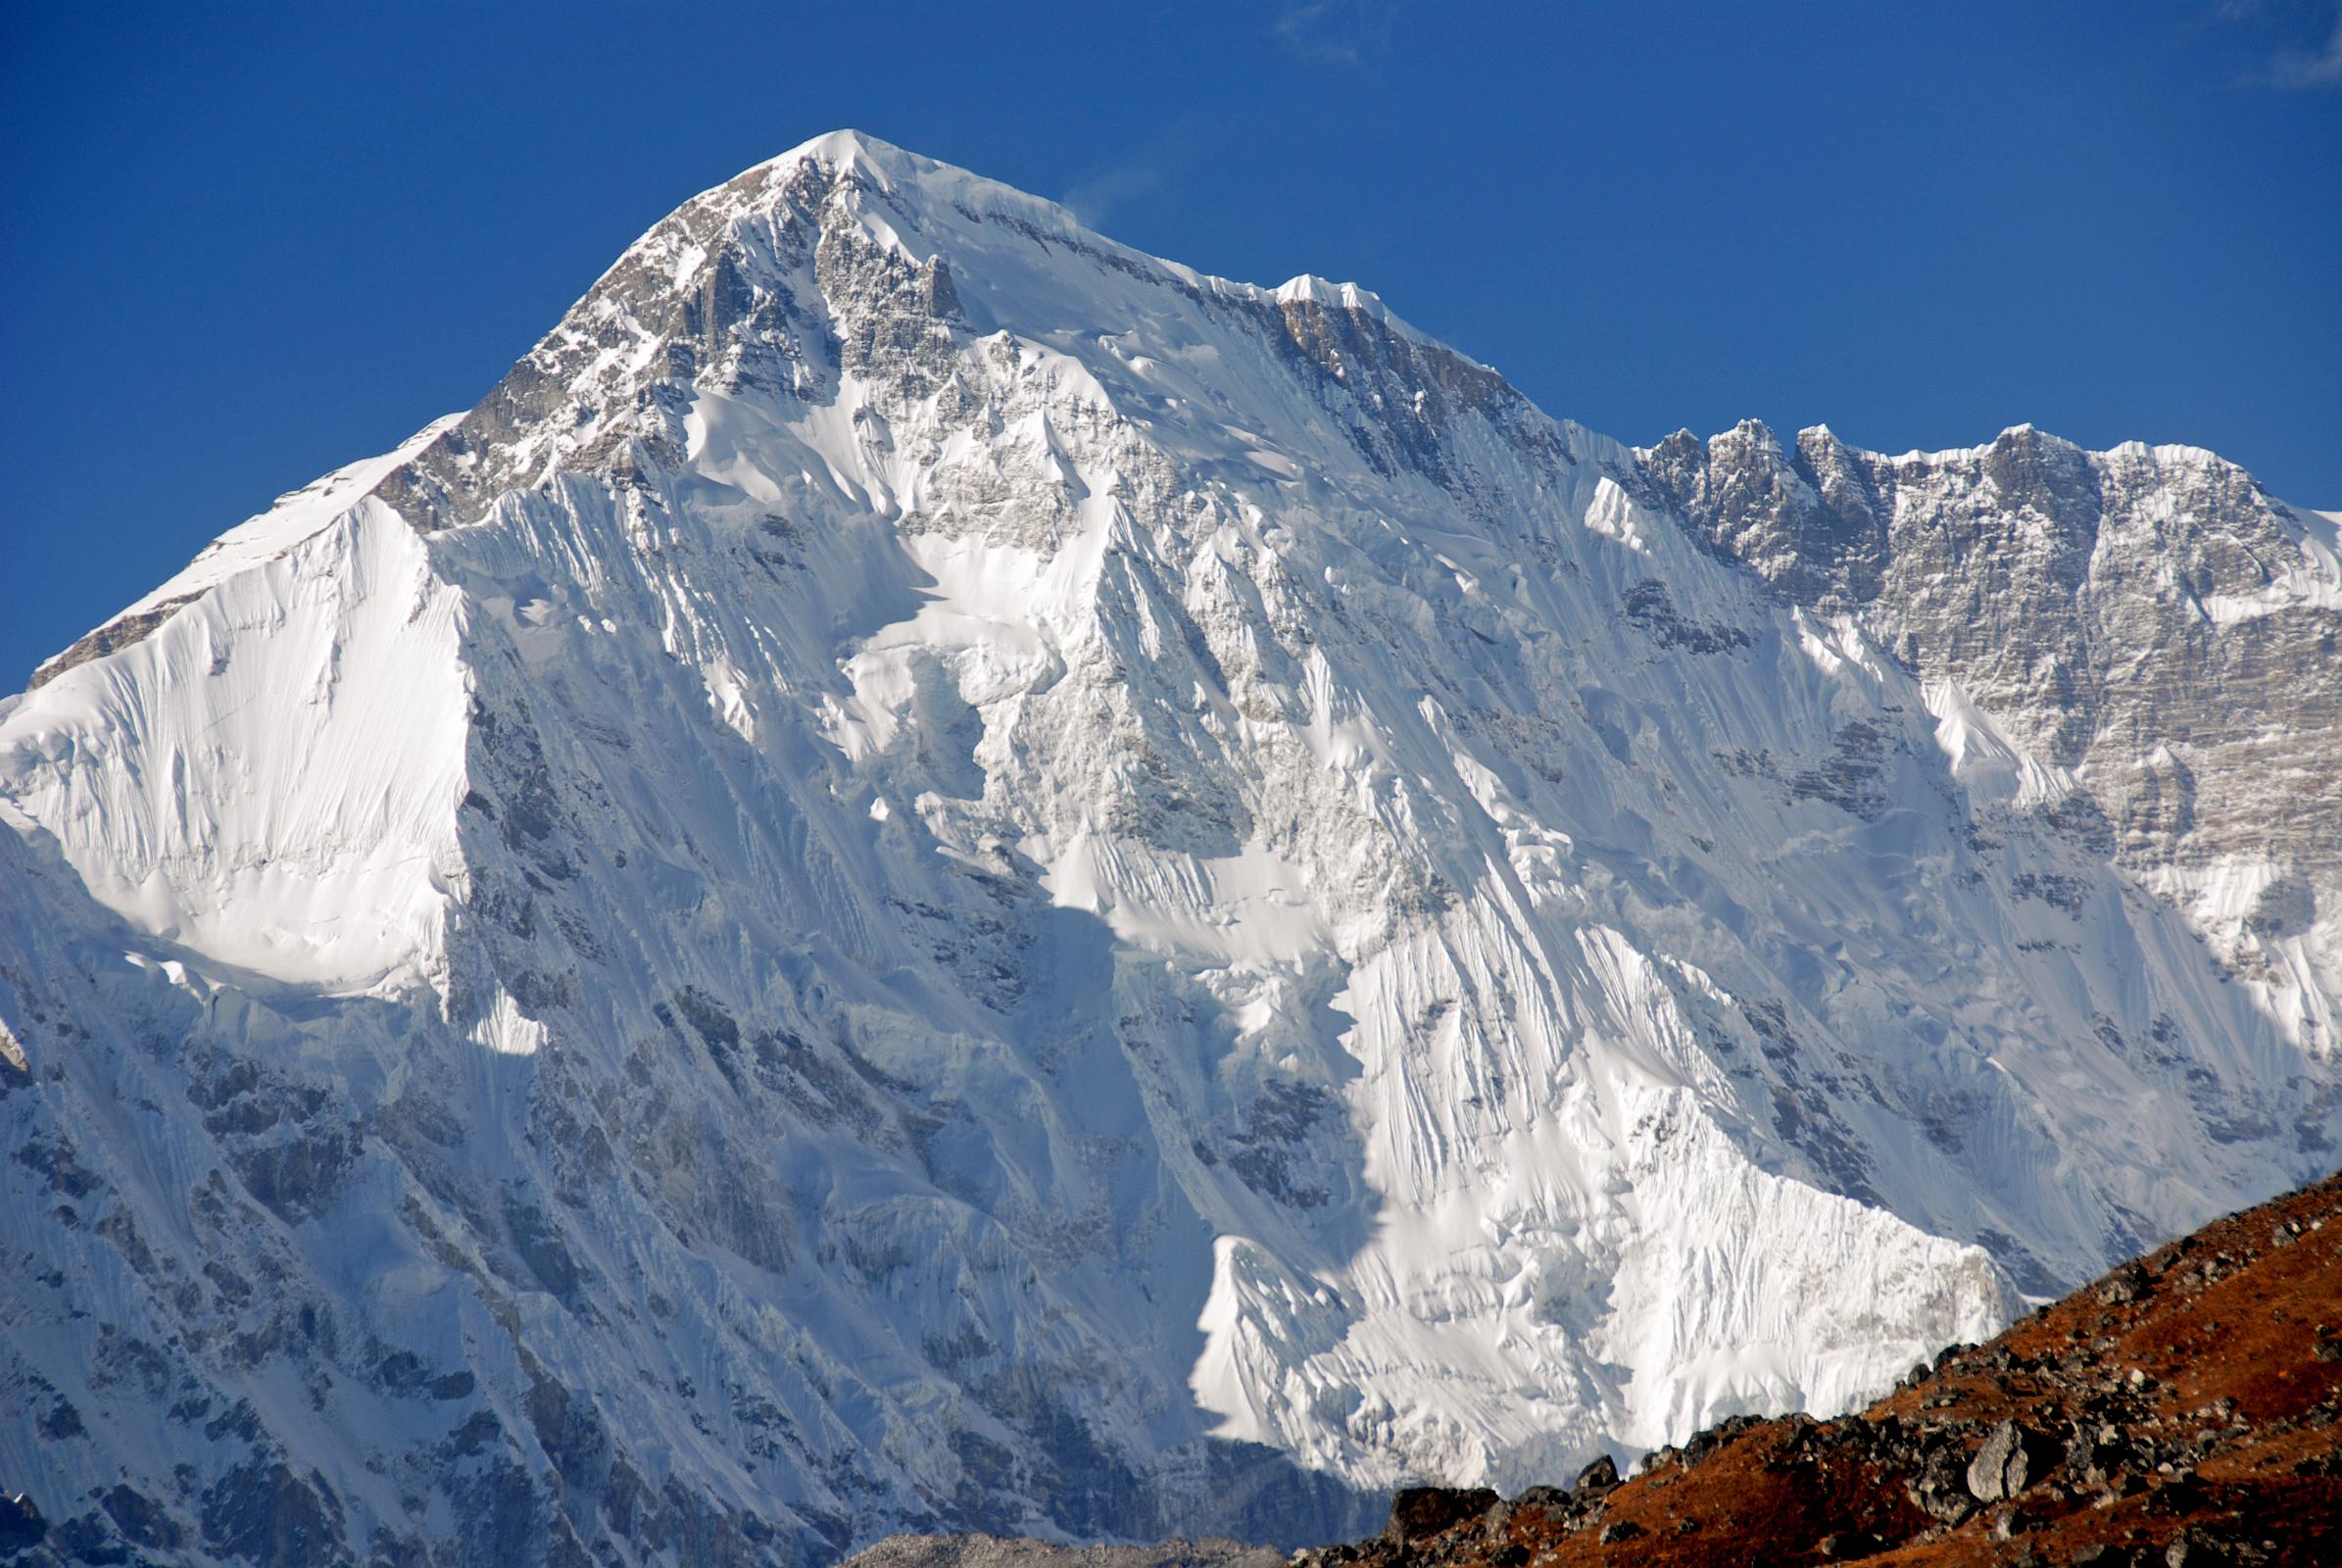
(938, 874)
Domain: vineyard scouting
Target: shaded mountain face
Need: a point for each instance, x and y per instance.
(939, 876)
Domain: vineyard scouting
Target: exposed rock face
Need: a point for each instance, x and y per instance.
(938, 875)
(2154, 638)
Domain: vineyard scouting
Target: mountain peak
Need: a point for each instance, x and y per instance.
(924, 200)
(848, 255)
(847, 146)
(935, 872)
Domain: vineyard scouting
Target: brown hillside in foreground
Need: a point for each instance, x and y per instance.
(2180, 1411)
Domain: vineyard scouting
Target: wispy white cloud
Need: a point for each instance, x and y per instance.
(2303, 69)
(1338, 32)
(1136, 173)
(2309, 59)
(1093, 200)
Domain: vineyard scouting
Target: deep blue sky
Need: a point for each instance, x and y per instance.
(242, 246)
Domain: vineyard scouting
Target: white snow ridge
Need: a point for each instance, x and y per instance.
(939, 876)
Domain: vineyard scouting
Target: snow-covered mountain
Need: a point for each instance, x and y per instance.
(937, 874)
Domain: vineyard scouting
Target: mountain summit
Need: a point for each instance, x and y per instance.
(938, 875)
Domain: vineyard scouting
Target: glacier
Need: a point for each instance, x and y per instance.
(937, 874)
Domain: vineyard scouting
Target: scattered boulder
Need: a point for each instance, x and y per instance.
(2124, 1286)
(1419, 1513)
(1941, 1488)
(2002, 1466)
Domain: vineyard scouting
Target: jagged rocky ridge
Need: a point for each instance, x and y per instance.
(939, 876)
(2183, 1411)
(2089, 603)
